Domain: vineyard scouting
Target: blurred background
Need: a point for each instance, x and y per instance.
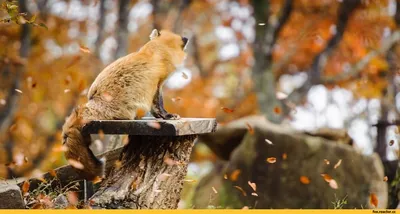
(303, 64)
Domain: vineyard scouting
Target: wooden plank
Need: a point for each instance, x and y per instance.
(153, 127)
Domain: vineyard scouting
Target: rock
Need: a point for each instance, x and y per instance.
(60, 202)
(294, 179)
(10, 196)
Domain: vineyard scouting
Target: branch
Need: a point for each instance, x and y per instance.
(100, 30)
(359, 66)
(319, 62)
(122, 31)
(345, 10)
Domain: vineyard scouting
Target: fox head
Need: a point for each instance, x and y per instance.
(175, 44)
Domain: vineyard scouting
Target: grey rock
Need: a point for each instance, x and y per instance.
(10, 196)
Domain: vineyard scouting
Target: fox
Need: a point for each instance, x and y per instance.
(130, 84)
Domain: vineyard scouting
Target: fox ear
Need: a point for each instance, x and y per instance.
(154, 34)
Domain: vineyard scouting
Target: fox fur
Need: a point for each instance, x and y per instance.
(130, 84)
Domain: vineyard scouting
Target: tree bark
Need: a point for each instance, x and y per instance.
(146, 179)
(122, 31)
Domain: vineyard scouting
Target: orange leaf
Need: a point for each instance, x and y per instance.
(235, 174)
(97, 179)
(252, 185)
(326, 177)
(118, 164)
(373, 200)
(37, 206)
(225, 176)
(304, 180)
(227, 110)
(277, 110)
(284, 156)
(327, 162)
(241, 190)
(271, 160)
(250, 128)
(338, 164)
(84, 49)
(25, 187)
(53, 173)
(385, 178)
(140, 113)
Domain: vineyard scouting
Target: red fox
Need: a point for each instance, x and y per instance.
(129, 84)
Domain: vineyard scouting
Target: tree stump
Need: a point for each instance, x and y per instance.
(151, 167)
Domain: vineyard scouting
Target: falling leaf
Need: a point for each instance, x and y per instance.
(60, 148)
(176, 99)
(227, 110)
(385, 178)
(391, 143)
(225, 176)
(98, 144)
(338, 164)
(235, 174)
(2, 102)
(164, 176)
(326, 177)
(304, 180)
(281, 95)
(241, 190)
(38, 206)
(250, 128)
(140, 113)
(184, 75)
(284, 156)
(134, 185)
(215, 191)
(254, 194)
(245, 208)
(333, 184)
(66, 91)
(53, 173)
(117, 164)
(277, 110)
(33, 85)
(107, 97)
(169, 161)
(154, 125)
(72, 198)
(97, 179)
(271, 160)
(373, 200)
(189, 180)
(75, 164)
(19, 91)
(252, 185)
(75, 60)
(269, 142)
(157, 190)
(84, 49)
(25, 187)
(261, 24)
(327, 162)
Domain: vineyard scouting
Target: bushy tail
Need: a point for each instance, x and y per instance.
(78, 152)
